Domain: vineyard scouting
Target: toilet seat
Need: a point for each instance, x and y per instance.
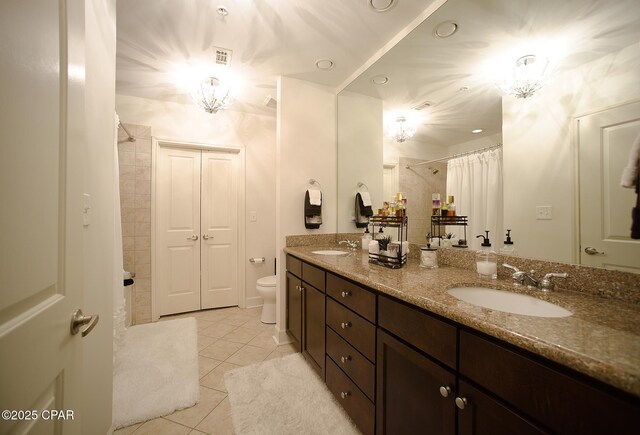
(267, 281)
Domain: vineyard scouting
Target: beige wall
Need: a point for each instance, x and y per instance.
(539, 150)
(134, 159)
(359, 154)
(255, 134)
(97, 375)
(306, 148)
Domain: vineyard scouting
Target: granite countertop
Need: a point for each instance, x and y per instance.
(601, 339)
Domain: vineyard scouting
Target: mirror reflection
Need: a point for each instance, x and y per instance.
(525, 111)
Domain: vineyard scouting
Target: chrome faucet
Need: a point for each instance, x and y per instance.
(352, 245)
(528, 279)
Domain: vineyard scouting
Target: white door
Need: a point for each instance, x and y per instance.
(41, 146)
(605, 139)
(219, 229)
(178, 230)
(390, 181)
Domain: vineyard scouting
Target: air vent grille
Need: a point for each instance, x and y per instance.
(223, 56)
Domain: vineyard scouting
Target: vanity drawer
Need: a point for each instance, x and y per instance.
(359, 299)
(313, 276)
(421, 330)
(357, 367)
(358, 406)
(294, 266)
(544, 393)
(358, 332)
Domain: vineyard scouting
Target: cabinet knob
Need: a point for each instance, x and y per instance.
(345, 294)
(300, 288)
(461, 402)
(344, 359)
(345, 394)
(345, 325)
(445, 391)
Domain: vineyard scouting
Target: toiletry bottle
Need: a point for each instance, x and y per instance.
(452, 206)
(508, 247)
(435, 204)
(486, 259)
(428, 257)
(366, 238)
(444, 211)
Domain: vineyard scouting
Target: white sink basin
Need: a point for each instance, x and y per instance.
(329, 252)
(508, 302)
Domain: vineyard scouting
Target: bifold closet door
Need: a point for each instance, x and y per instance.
(178, 230)
(219, 255)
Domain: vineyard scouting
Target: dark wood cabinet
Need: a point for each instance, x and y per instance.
(294, 310)
(313, 343)
(409, 400)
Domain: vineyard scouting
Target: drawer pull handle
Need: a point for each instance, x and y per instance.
(345, 394)
(345, 359)
(345, 294)
(345, 325)
(445, 391)
(461, 402)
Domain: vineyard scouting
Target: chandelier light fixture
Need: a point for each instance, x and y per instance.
(526, 78)
(401, 130)
(211, 95)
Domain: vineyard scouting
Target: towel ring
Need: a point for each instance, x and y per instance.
(361, 185)
(313, 182)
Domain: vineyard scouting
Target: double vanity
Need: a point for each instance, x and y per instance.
(413, 350)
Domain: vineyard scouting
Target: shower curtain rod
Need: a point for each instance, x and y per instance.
(131, 138)
(454, 156)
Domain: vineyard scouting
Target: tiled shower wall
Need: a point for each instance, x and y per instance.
(134, 159)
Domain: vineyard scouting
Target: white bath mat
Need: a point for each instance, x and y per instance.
(155, 371)
(283, 396)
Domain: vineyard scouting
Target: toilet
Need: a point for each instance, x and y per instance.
(267, 290)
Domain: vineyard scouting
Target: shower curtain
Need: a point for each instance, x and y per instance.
(118, 267)
(476, 183)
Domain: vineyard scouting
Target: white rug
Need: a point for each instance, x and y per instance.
(155, 371)
(283, 396)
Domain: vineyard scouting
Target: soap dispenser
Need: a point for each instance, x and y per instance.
(366, 238)
(508, 247)
(486, 259)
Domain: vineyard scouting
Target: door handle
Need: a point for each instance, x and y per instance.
(78, 320)
(194, 238)
(592, 251)
(206, 237)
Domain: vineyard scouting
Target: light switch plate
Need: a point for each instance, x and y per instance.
(544, 212)
(253, 216)
(86, 210)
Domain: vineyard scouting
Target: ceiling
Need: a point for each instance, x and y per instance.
(162, 45)
(492, 35)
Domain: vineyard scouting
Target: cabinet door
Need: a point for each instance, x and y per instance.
(408, 395)
(313, 344)
(294, 309)
(483, 415)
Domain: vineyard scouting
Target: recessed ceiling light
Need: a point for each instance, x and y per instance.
(381, 5)
(324, 64)
(380, 80)
(477, 130)
(222, 11)
(445, 29)
(424, 105)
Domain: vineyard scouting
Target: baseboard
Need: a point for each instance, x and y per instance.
(281, 337)
(253, 302)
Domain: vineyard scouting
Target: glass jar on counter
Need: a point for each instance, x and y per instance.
(428, 257)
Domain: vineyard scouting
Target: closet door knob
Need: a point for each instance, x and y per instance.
(207, 237)
(345, 325)
(345, 294)
(461, 402)
(194, 238)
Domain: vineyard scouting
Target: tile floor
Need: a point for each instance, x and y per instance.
(227, 338)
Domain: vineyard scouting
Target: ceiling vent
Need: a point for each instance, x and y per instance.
(223, 56)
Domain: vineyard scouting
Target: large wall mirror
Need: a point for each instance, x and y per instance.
(547, 167)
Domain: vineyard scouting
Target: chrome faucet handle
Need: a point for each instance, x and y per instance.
(546, 284)
(508, 266)
(351, 245)
(517, 275)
